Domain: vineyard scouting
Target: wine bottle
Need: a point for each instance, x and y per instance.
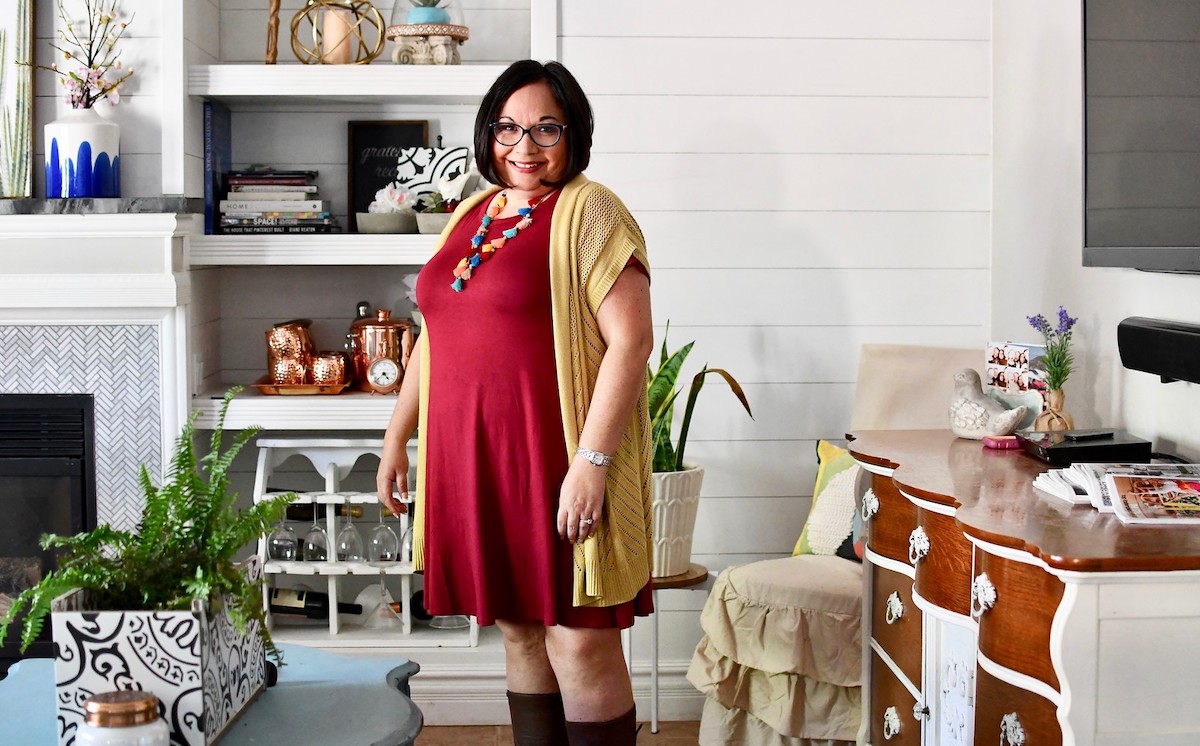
(304, 511)
(309, 604)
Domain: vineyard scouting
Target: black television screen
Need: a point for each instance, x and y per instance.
(1142, 134)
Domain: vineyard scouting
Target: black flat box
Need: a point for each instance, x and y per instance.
(1059, 448)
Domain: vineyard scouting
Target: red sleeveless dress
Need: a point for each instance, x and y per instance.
(495, 454)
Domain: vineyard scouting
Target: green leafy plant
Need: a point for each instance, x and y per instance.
(661, 392)
(184, 547)
(1058, 360)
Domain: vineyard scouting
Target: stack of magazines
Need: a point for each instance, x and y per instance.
(1135, 493)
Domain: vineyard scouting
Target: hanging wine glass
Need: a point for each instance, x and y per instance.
(384, 544)
(348, 545)
(316, 542)
(282, 542)
(406, 545)
(384, 549)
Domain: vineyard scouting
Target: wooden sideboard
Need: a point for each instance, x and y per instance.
(998, 614)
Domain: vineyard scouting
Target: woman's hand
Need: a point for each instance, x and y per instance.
(581, 500)
(393, 460)
(393, 470)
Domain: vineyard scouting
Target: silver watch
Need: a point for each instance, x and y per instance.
(595, 458)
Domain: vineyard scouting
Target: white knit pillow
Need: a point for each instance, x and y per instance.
(832, 516)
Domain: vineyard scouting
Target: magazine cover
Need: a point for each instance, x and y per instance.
(1156, 497)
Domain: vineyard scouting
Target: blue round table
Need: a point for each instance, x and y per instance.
(321, 697)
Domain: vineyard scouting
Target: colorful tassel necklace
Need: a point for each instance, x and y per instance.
(481, 252)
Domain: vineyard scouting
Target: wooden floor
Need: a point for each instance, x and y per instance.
(669, 734)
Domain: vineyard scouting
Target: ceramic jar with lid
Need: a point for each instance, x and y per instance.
(124, 718)
(378, 336)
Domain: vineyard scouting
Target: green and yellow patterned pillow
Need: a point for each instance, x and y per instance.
(831, 518)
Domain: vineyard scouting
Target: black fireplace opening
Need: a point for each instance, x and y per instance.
(47, 486)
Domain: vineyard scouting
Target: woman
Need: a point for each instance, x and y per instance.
(533, 469)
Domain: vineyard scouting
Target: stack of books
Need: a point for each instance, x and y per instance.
(270, 201)
(1135, 493)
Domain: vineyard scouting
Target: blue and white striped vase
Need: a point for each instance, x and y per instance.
(83, 156)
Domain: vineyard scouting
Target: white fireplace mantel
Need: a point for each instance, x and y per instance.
(93, 261)
(99, 304)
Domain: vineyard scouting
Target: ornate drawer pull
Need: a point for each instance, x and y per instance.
(891, 723)
(918, 545)
(895, 608)
(870, 505)
(983, 595)
(1011, 732)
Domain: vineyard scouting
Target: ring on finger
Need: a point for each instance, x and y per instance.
(586, 521)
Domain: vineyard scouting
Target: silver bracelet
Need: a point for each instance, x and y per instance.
(595, 458)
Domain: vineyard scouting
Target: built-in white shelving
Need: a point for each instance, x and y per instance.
(338, 249)
(350, 410)
(377, 83)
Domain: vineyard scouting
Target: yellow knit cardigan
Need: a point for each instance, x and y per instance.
(592, 238)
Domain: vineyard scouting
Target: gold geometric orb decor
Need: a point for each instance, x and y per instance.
(337, 32)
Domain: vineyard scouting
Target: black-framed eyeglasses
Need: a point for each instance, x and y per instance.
(544, 135)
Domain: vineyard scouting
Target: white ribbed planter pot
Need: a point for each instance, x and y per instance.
(676, 500)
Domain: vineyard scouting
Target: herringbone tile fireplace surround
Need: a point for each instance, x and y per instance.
(118, 365)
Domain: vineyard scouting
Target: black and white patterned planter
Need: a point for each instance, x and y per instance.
(203, 671)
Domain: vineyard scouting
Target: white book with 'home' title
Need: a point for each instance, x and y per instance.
(274, 205)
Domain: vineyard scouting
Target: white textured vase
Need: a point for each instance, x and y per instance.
(83, 156)
(676, 499)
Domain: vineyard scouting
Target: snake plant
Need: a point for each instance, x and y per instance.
(662, 393)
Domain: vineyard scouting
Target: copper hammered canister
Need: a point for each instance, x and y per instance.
(329, 368)
(378, 336)
(290, 351)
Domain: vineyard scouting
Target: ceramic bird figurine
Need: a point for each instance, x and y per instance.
(974, 414)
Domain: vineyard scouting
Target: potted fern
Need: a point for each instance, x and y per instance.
(676, 484)
(165, 608)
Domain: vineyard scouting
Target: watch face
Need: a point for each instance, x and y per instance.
(383, 373)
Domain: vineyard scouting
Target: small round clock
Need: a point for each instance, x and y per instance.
(383, 375)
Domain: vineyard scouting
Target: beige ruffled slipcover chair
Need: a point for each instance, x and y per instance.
(781, 659)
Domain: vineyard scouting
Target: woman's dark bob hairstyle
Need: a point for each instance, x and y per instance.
(567, 93)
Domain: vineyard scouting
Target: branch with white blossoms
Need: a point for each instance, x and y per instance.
(392, 198)
(98, 73)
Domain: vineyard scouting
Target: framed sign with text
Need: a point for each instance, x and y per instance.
(374, 147)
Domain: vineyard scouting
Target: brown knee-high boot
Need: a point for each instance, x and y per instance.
(537, 719)
(620, 731)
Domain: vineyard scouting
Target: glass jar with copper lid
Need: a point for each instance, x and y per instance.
(124, 718)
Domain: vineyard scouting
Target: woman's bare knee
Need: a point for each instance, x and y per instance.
(572, 646)
(523, 637)
(590, 668)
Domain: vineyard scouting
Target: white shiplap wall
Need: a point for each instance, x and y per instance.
(809, 176)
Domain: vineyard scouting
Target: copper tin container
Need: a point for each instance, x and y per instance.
(290, 351)
(329, 368)
(375, 337)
